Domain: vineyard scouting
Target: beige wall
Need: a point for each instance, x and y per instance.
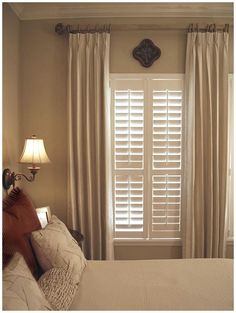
(43, 112)
(171, 43)
(43, 109)
(43, 84)
(10, 100)
(139, 251)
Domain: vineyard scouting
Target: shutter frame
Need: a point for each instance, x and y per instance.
(149, 83)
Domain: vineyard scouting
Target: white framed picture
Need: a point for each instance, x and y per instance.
(44, 215)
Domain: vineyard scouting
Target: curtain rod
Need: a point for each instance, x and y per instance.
(209, 28)
(62, 29)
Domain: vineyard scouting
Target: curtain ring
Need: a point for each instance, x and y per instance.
(226, 28)
(68, 29)
(190, 28)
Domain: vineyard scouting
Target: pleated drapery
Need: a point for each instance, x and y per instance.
(90, 191)
(205, 144)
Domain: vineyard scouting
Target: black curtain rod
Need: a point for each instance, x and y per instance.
(209, 28)
(62, 29)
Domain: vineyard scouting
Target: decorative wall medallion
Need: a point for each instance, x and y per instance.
(146, 52)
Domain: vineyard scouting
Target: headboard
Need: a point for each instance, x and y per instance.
(19, 220)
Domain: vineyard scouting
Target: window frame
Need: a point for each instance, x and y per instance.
(147, 160)
(168, 241)
(232, 137)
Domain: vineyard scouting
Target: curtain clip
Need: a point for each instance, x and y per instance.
(68, 29)
(190, 28)
(226, 28)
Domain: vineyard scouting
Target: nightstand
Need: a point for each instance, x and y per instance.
(77, 236)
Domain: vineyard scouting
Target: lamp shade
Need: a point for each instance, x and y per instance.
(34, 151)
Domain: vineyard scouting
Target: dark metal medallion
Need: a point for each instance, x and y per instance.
(146, 52)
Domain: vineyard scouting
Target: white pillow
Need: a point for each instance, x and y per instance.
(55, 247)
(20, 289)
(58, 287)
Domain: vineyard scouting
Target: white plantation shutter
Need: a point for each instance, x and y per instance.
(147, 132)
(129, 128)
(166, 157)
(129, 203)
(128, 147)
(167, 113)
(166, 206)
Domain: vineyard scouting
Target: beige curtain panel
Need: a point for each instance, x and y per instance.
(89, 203)
(205, 144)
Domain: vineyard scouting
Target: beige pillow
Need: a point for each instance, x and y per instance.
(58, 287)
(55, 247)
(20, 289)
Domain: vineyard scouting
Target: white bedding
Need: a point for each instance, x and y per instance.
(196, 284)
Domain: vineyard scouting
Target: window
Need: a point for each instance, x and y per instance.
(230, 234)
(147, 151)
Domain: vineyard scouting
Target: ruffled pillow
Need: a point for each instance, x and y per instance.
(20, 289)
(19, 214)
(55, 247)
(58, 287)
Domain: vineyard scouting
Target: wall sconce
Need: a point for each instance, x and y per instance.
(33, 153)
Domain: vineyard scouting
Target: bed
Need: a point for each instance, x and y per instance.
(156, 285)
(57, 277)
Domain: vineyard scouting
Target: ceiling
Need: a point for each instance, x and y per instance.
(54, 10)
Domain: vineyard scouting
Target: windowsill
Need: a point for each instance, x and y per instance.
(147, 242)
(155, 242)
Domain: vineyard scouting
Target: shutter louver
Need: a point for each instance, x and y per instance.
(128, 203)
(166, 157)
(129, 129)
(167, 111)
(166, 191)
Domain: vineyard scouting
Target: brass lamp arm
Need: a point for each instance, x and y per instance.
(19, 175)
(9, 178)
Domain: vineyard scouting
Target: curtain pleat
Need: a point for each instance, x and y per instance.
(90, 203)
(205, 144)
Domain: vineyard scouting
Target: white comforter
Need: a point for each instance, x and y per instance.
(196, 284)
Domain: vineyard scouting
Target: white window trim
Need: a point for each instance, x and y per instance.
(144, 75)
(232, 139)
(147, 242)
(142, 241)
(167, 241)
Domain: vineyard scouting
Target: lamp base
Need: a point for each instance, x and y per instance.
(8, 178)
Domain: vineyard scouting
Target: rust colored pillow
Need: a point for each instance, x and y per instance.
(19, 220)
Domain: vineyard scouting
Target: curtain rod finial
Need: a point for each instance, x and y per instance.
(60, 29)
